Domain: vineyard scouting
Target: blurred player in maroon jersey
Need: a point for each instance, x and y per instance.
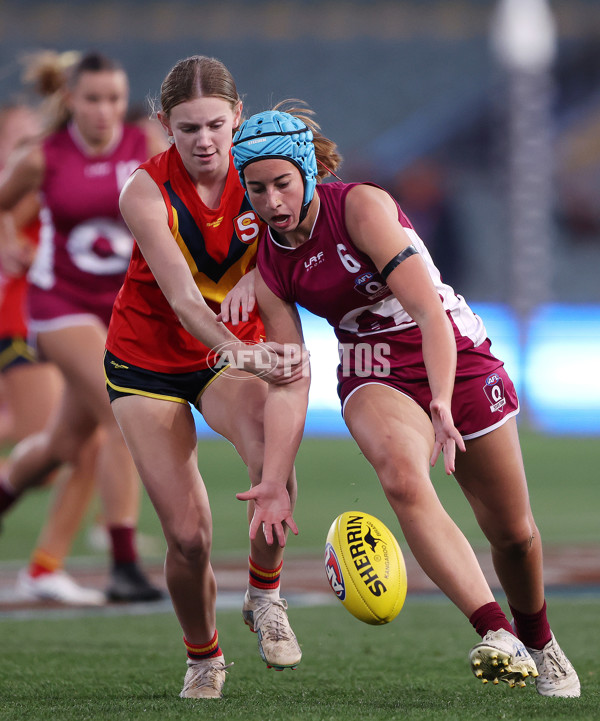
(79, 167)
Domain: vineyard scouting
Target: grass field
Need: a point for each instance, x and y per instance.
(132, 667)
(334, 477)
(414, 668)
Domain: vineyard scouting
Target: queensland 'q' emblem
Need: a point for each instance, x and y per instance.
(494, 390)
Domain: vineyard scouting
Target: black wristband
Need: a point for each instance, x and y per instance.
(397, 259)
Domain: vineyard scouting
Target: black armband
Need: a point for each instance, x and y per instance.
(397, 259)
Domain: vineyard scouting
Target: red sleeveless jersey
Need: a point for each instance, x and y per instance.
(219, 246)
(13, 294)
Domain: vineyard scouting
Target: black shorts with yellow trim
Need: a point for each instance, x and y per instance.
(14, 351)
(126, 379)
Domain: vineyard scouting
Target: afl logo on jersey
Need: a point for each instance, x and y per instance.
(494, 390)
(371, 285)
(247, 226)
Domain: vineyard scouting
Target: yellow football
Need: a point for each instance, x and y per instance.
(365, 567)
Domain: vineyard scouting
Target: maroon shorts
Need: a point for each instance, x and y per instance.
(51, 310)
(484, 396)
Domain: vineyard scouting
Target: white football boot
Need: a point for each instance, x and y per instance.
(277, 642)
(57, 586)
(205, 679)
(501, 657)
(557, 677)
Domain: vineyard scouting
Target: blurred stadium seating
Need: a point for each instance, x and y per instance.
(397, 83)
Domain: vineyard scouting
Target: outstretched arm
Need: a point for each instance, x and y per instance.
(284, 417)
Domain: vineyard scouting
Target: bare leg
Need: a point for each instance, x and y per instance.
(78, 352)
(72, 497)
(84, 409)
(33, 391)
(396, 437)
(161, 436)
(492, 477)
(59, 442)
(234, 407)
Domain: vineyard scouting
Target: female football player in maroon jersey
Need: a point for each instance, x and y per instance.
(416, 378)
(196, 237)
(33, 388)
(79, 166)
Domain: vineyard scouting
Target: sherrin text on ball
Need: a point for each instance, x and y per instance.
(365, 567)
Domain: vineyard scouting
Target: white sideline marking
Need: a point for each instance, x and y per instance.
(226, 601)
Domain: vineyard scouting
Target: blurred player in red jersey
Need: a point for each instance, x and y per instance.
(33, 389)
(196, 237)
(79, 167)
(416, 378)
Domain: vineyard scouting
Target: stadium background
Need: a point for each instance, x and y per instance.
(416, 98)
(418, 101)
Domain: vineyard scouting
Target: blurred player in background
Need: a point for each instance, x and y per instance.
(195, 238)
(79, 167)
(33, 389)
(416, 378)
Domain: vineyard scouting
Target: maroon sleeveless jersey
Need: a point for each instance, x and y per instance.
(331, 278)
(85, 245)
(378, 341)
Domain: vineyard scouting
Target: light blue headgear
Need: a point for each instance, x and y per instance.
(274, 134)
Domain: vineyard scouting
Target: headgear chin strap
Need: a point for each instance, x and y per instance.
(274, 134)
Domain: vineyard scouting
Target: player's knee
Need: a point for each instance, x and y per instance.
(66, 448)
(192, 547)
(400, 482)
(516, 542)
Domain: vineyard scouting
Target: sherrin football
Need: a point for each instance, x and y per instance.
(365, 567)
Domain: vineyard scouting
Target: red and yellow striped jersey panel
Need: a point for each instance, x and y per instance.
(219, 246)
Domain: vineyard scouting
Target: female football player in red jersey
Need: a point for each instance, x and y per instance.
(32, 389)
(79, 167)
(416, 378)
(196, 237)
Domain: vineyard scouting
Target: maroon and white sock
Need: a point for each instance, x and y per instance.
(122, 540)
(532, 629)
(490, 617)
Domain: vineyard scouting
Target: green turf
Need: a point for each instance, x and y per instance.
(334, 477)
(414, 668)
(132, 667)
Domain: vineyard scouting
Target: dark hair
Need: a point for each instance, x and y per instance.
(92, 62)
(51, 73)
